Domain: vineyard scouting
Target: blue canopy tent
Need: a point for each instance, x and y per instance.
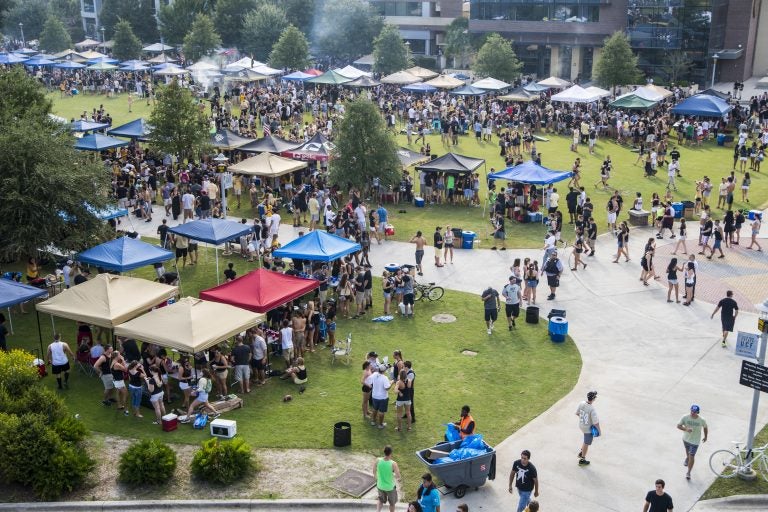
(138, 129)
(108, 213)
(317, 246)
(212, 231)
(124, 254)
(86, 126)
(39, 61)
(702, 105)
(98, 142)
(12, 58)
(134, 67)
(468, 90)
(102, 60)
(419, 87)
(297, 76)
(68, 64)
(12, 293)
(534, 87)
(530, 172)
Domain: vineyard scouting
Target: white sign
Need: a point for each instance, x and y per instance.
(746, 344)
(226, 180)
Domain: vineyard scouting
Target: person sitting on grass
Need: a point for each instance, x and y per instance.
(297, 373)
(204, 386)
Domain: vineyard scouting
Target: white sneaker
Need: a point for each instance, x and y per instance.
(489, 331)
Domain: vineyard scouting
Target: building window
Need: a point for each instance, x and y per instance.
(398, 8)
(573, 11)
(89, 6)
(417, 46)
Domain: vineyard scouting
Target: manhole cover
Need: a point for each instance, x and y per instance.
(467, 352)
(354, 482)
(443, 318)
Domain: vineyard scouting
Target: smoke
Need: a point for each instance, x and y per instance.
(205, 78)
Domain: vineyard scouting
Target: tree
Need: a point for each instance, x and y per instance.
(54, 38)
(68, 11)
(201, 39)
(677, 66)
(389, 51)
(617, 64)
(497, 59)
(32, 13)
(300, 12)
(262, 29)
(229, 16)
(458, 44)
(347, 29)
(180, 126)
(127, 45)
(291, 51)
(44, 182)
(139, 13)
(176, 18)
(5, 6)
(365, 149)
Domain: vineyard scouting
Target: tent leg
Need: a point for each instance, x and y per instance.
(10, 319)
(40, 333)
(216, 250)
(53, 325)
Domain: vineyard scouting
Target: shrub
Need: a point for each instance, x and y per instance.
(222, 462)
(65, 470)
(40, 400)
(147, 462)
(17, 374)
(70, 430)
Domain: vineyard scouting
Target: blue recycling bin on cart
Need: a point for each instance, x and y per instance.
(558, 329)
(678, 208)
(468, 239)
(391, 267)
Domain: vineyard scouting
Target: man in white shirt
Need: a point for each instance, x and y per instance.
(286, 342)
(330, 217)
(672, 170)
(512, 297)
(58, 357)
(67, 272)
(274, 224)
(380, 395)
(188, 205)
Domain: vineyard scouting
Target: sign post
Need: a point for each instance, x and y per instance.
(758, 378)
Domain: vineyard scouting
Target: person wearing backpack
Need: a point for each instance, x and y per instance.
(204, 386)
(554, 269)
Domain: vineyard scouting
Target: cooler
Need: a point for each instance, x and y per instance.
(753, 213)
(389, 230)
(223, 428)
(391, 267)
(720, 139)
(535, 217)
(468, 239)
(558, 329)
(170, 422)
(419, 202)
(678, 207)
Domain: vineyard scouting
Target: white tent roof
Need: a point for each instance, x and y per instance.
(352, 72)
(203, 66)
(400, 78)
(266, 164)
(87, 43)
(600, 93)
(652, 92)
(365, 60)
(245, 62)
(91, 54)
(554, 82)
(575, 94)
(161, 59)
(491, 84)
(189, 325)
(157, 48)
(107, 300)
(445, 82)
(423, 73)
(172, 72)
(263, 69)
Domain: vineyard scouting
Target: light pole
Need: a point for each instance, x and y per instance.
(103, 41)
(714, 68)
(21, 29)
(763, 312)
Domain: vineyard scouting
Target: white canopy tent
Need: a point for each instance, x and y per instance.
(597, 91)
(491, 84)
(245, 62)
(352, 72)
(203, 66)
(400, 78)
(575, 94)
(652, 92)
(266, 164)
(554, 82)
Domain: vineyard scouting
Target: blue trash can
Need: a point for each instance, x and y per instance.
(558, 329)
(678, 207)
(720, 139)
(468, 239)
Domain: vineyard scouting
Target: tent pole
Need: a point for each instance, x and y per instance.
(53, 325)
(10, 319)
(216, 250)
(488, 190)
(39, 333)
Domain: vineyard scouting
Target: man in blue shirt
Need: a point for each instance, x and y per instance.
(382, 227)
(428, 495)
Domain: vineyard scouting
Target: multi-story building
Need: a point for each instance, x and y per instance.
(422, 24)
(90, 12)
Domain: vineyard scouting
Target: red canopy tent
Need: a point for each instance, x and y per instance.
(260, 290)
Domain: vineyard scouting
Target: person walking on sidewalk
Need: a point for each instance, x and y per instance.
(525, 478)
(491, 306)
(438, 237)
(729, 310)
(587, 420)
(386, 471)
(512, 298)
(658, 500)
(554, 269)
(756, 231)
(692, 426)
(420, 242)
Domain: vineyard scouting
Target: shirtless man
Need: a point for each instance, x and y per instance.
(420, 242)
(299, 324)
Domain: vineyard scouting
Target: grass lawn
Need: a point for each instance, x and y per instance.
(734, 486)
(446, 380)
(710, 160)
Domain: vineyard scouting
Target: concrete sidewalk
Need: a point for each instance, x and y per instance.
(649, 361)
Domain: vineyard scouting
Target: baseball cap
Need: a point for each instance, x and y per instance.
(695, 408)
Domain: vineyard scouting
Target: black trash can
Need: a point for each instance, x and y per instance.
(342, 434)
(532, 315)
(456, 235)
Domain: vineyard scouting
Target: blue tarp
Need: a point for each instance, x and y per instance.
(86, 126)
(134, 67)
(212, 231)
(297, 76)
(531, 172)
(317, 246)
(138, 129)
(12, 293)
(419, 87)
(103, 60)
(702, 105)
(98, 142)
(124, 254)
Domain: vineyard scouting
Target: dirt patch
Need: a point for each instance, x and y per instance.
(283, 474)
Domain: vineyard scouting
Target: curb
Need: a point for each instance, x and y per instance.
(198, 505)
(737, 502)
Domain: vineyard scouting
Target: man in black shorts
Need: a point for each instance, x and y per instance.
(729, 310)
(512, 298)
(492, 305)
(553, 267)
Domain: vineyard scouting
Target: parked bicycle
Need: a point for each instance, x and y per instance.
(428, 290)
(727, 464)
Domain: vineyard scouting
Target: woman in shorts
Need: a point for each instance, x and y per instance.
(184, 377)
(403, 401)
(366, 389)
(117, 368)
(672, 270)
(448, 241)
(204, 385)
(155, 388)
(531, 281)
(388, 288)
(220, 367)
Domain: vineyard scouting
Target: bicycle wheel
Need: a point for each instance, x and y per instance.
(418, 293)
(762, 468)
(724, 463)
(435, 293)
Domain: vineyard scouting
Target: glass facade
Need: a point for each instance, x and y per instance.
(568, 11)
(536, 58)
(398, 8)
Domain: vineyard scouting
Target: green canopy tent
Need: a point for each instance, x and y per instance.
(331, 77)
(632, 102)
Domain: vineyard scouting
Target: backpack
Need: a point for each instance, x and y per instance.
(551, 267)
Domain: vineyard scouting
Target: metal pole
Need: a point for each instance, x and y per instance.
(714, 68)
(40, 334)
(756, 393)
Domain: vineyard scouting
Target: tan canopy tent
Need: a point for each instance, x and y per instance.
(554, 82)
(423, 73)
(400, 78)
(266, 164)
(190, 325)
(445, 82)
(107, 300)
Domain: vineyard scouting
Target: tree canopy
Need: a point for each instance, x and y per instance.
(68, 11)
(201, 39)
(229, 16)
(177, 18)
(54, 38)
(365, 149)
(291, 51)
(390, 53)
(497, 59)
(44, 182)
(617, 65)
(458, 44)
(262, 29)
(127, 45)
(180, 125)
(347, 29)
(32, 13)
(138, 13)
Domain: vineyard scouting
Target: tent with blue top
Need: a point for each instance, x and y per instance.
(12, 58)
(124, 254)
(297, 76)
(68, 64)
(86, 126)
(317, 246)
(702, 105)
(135, 66)
(12, 293)
(39, 62)
(419, 87)
(468, 90)
(138, 129)
(530, 172)
(99, 142)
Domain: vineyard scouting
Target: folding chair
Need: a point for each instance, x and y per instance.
(342, 352)
(83, 363)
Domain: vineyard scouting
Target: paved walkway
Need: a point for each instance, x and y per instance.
(649, 361)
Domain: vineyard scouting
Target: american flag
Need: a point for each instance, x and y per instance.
(267, 131)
